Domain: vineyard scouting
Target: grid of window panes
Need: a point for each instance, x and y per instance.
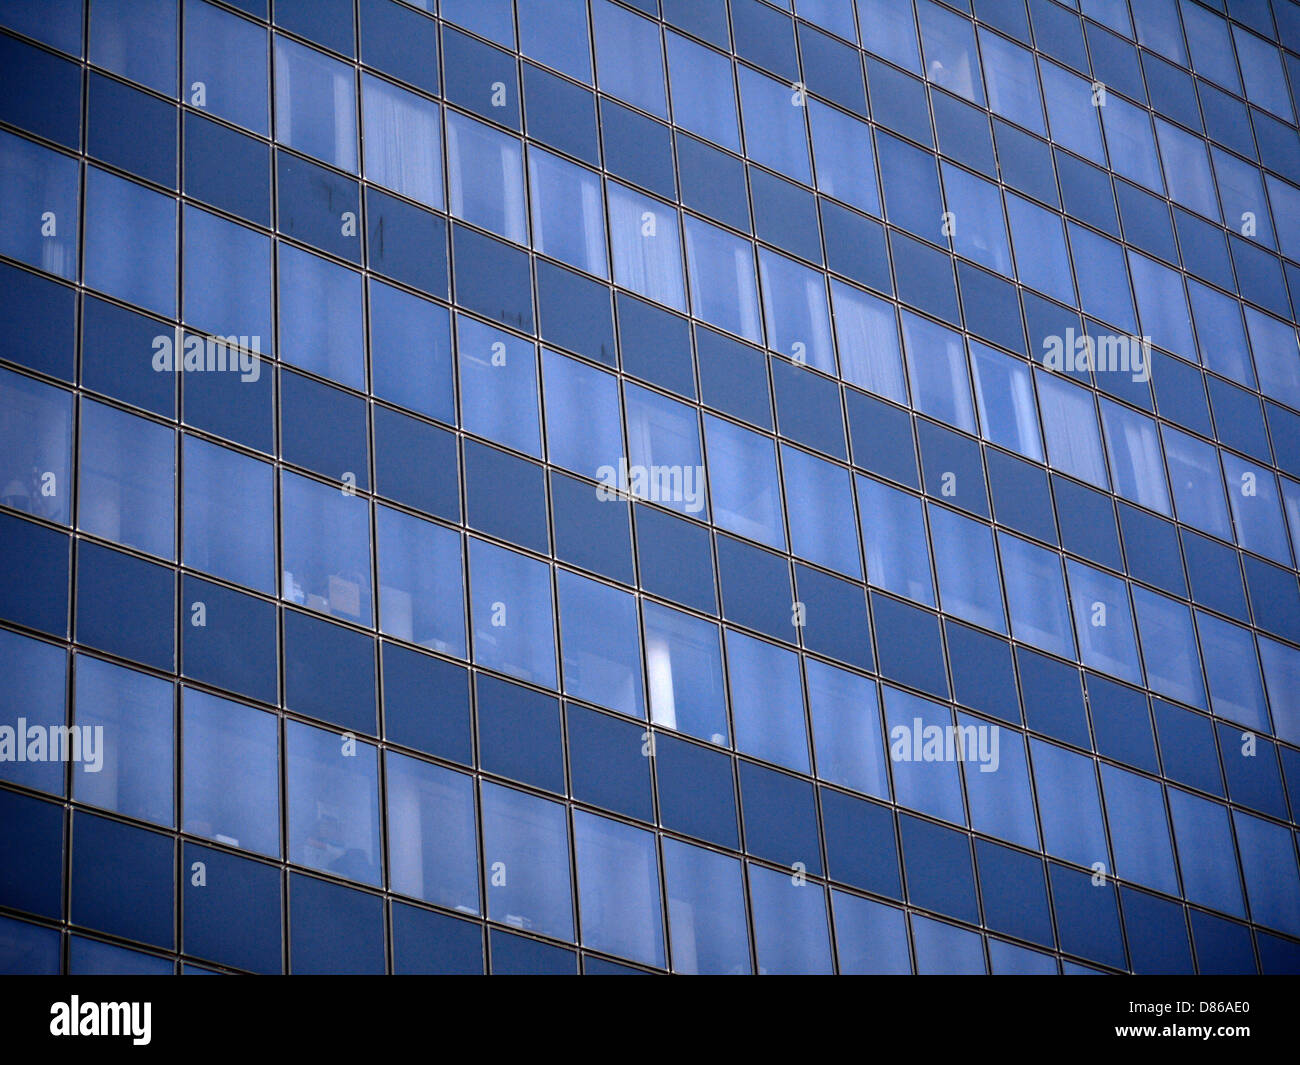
(384, 679)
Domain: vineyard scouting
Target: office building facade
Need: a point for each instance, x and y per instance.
(695, 486)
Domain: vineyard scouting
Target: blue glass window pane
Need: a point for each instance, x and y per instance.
(893, 533)
(555, 31)
(1168, 646)
(871, 938)
(1198, 485)
(582, 415)
(1272, 880)
(645, 239)
(822, 527)
(1204, 840)
(1103, 621)
(1069, 804)
(703, 93)
(664, 442)
(322, 324)
(721, 268)
(333, 802)
(743, 482)
(978, 228)
(1039, 240)
(432, 840)
(231, 773)
(127, 476)
(128, 719)
(618, 889)
(774, 125)
(684, 672)
(315, 105)
(143, 270)
(486, 174)
(1036, 595)
(1256, 513)
(1162, 305)
(1070, 425)
(795, 312)
(767, 701)
(1012, 81)
(706, 910)
(226, 282)
(936, 362)
(789, 924)
(887, 29)
(122, 881)
(925, 778)
(568, 212)
(866, 330)
(403, 141)
(968, 583)
(1236, 692)
(36, 446)
(997, 788)
(421, 590)
(512, 613)
(333, 929)
(498, 385)
(325, 547)
(136, 40)
(225, 64)
(526, 858)
(1274, 346)
(410, 352)
(601, 644)
(228, 509)
(37, 693)
(1139, 829)
(845, 712)
(629, 57)
(843, 154)
(1005, 398)
(233, 916)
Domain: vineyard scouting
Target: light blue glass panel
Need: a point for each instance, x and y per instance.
(230, 773)
(819, 497)
(936, 364)
(1070, 425)
(1132, 147)
(790, 930)
(706, 910)
(645, 240)
(1256, 509)
(704, 95)
(794, 309)
(410, 352)
(224, 67)
(1072, 111)
(37, 183)
(1236, 692)
(403, 141)
(601, 644)
(226, 279)
(767, 701)
(844, 157)
(1205, 851)
(664, 440)
(1104, 622)
(684, 673)
(743, 482)
(555, 32)
(498, 385)
(923, 748)
(316, 105)
(1133, 445)
(1139, 829)
(1162, 305)
(568, 212)
(774, 127)
(1004, 395)
(126, 479)
(421, 587)
(866, 331)
(979, 230)
(512, 610)
(1277, 356)
(128, 719)
(845, 712)
(333, 802)
(1039, 239)
(583, 430)
(1069, 804)
(1012, 81)
(1198, 486)
(967, 567)
(141, 270)
(485, 172)
(997, 788)
(527, 839)
(893, 535)
(1103, 279)
(950, 56)
(721, 269)
(322, 320)
(1036, 595)
(629, 59)
(1187, 169)
(228, 514)
(325, 549)
(1169, 647)
(432, 833)
(619, 901)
